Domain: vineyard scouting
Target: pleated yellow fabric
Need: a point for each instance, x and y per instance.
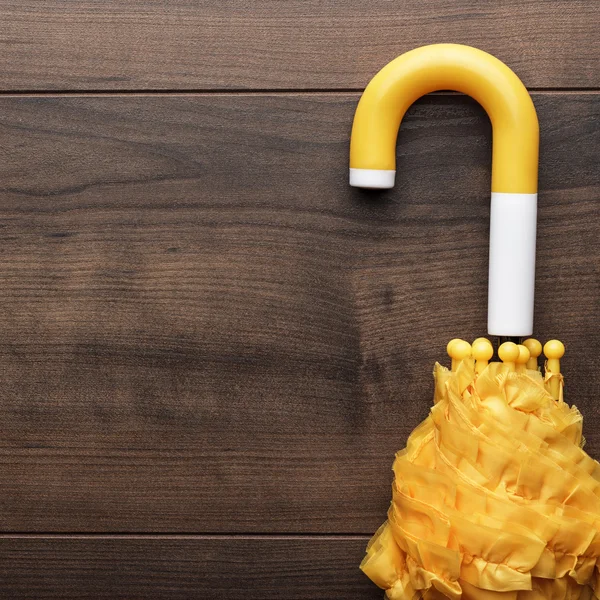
(493, 497)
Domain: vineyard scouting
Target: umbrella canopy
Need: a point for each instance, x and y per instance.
(493, 492)
(493, 496)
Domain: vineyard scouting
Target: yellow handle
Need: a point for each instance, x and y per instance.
(459, 68)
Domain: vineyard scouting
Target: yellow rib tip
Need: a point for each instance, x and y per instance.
(535, 349)
(523, 358)
(554, 350)
(509, 353)
(482, 351)
(458, 350)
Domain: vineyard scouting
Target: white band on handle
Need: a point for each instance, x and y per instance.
(374, 179)
(512, 264)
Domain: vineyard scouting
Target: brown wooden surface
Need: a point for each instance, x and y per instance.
(211, 346)
(285, 44)
(180, 568)
(205, 330)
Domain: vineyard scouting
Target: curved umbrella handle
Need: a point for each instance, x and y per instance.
(514, 159)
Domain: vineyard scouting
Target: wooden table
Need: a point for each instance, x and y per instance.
(211, 347)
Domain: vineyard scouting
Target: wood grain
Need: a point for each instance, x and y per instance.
(292, 44)
(177, 568)
(205, 330)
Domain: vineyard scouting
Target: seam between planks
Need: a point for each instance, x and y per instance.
(188, 536)
(241, 92)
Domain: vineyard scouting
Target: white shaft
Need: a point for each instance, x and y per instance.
(512, 264)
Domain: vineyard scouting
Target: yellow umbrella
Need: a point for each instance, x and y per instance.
(493, 496)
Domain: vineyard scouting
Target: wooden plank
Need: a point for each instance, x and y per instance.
(183, 568)
(264, 44)
(205, 330)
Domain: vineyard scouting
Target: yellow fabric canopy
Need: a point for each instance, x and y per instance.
(493, 497)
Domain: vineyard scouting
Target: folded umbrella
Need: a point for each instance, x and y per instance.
(493, 496)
